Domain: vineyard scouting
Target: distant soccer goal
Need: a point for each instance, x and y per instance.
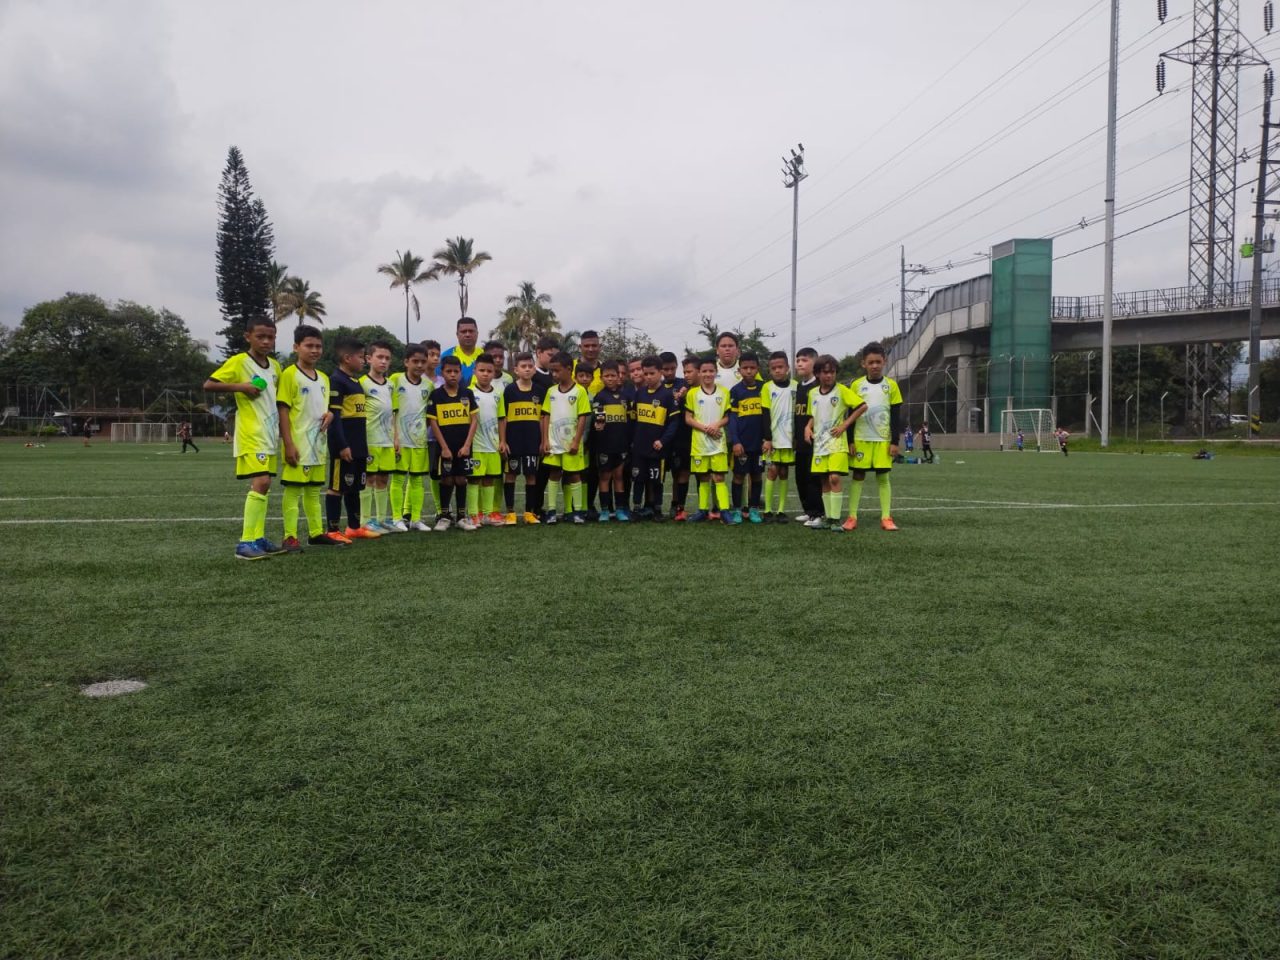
(144, 432)
(1036, 426)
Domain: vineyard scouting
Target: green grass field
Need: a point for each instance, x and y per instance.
(1040, 721)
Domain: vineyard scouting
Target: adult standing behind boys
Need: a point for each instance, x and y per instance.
(467, 350)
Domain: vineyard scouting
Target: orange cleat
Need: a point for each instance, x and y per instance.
(337, 537)
(888, 524)
(713, 515)
(509, 520)
(361, 533)
(850, 524)
(680, 516)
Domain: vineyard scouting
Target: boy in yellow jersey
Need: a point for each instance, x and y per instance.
(486, 460)
(254, 376)
(451, 415)
(778, 400)
(520, 439)
(875, 437)
(587, 376)
(409, 394)
(565, 411)
(833, 408)
(303, 401)
(707, 413)
(375, 501)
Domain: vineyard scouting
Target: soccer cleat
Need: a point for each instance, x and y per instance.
(781, 518)
(803, 518)
(680, 516)
(267, 547)
(394, 526)
(552, 519)
(467, 524)
(498, 520)
(713, 515)
(754, 516)
(249, 550)
(658, 516)
(623, 516)
(727, 518)
(815, 523)
(443, 523)
(339, 537)
(510, 520)
(643, 513)
(888, 524)
(417, 526)
(735, 516)
(291, 545)
(373, 526)
(327, 540)
(604, 517)
(361, 533)
(579, 517)
(835, 526)
(697, 516)
(851, 523)
(531, 519)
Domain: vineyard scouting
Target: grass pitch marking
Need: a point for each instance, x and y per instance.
(112, 688)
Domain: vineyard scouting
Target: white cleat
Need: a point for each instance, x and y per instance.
(443, 524)
(419, 527)
(466, 524)
(395, 526)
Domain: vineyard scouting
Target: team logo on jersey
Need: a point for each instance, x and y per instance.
(349, 479)
(304, 391)
(833, 399)
(857, 455)
(369, 458)
(262, 458)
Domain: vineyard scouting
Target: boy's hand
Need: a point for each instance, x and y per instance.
(893, 449)
(291, 454)
(326, 420)
(504, 449)
(739, 450)
(808, 433)
(464, 450)
(838, 429)
(599, 426)
(714, 433)
(345, 454)
(657, 445)
(249, 390)
(395, 445)
(545, 448)
(768, 446)
(445, 453)
(573, 449)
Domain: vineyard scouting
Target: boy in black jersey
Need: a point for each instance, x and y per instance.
(348, 448)
(746, 437)
(451, 417)
(654, 413)
(520, 439)
(678, 459)
(611, 442)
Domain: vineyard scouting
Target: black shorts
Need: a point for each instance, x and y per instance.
(678, 460)
(525, 465)
(749, 465)
(609, 461)
(457, 467)
(345, 476)
(649, 469)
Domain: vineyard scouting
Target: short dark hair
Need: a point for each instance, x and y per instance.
(415, 350)
(305, 331)
(779, 355)
(806, 352)
(727, 333)
(464, 321)
(523, 357)
(562, 359)
(666, 356)
(380, 345)
(495, 345)
(692, 358)
(261, 320)
(588, 334)
(615, 365)
(485, 359)
(546, 343)
(584, 368)
(824, 362)
(876, 347)
(345, 346)
(749, 358)
(650, 362)
(451, 361)
(431, 344)
(704, 361)
(631, 360)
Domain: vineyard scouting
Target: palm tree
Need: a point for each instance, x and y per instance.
(406, 270)
(456, 259)
(570, 341)
(301, 300)
(277, 289)
(528, 316)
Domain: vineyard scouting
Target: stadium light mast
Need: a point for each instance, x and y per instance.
(792, 173)
(1109, 203)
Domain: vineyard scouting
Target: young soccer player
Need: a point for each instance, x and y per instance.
(926, 443)
(486, 458)
(433, 363)
(612, 430)
(727, 348)
(675, 384)
(589, 348)
(587, 376)
(410, 391)
(778, 400)
(1019, 440)
(833, 408)
(520, 439)
(253, 376)
(746, 437)
(497, 351)
(678, 461)
(348, 443)
(303, 403)
(565, 411)
(184, 434)
(543, 351)
(1062, 435)
(655, 414)
(807, 487)
(875, 436)
(707, 414)
(375, 500)
(451, 417)
(908, 439)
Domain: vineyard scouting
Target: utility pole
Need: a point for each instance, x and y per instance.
(1109, 203)
(1260, 246)
(623, 326)
(792, 173)
(903, 269)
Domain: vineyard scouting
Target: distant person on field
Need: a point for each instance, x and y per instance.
(908, 439)
(254, 377)
(184, 434)
(87, 429)
(926, 443)
(1020, 439)
(1063, 437)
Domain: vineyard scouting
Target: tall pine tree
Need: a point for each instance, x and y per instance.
(246, 247)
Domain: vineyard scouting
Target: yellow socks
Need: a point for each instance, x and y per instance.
(255, 517)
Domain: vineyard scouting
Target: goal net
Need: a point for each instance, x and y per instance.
(1035, 425)
(144, 432)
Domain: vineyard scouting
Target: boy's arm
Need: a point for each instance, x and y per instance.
(847, 422)
(502, 437)
(337, 436)
(545, 426)
(583, 419)
(445, 452)
(465, 449)
(895, 426)
(286, 435)
(669, 431)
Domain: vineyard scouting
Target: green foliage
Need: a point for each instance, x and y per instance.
(637, 343)
(850, 367)
(82, 342)
(528, 317)
(749, 341)
(405, 271)
(303, 302)
(366, 334)
(244, 258)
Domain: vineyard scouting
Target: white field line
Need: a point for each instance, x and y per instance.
(987, 503)
(869, 509)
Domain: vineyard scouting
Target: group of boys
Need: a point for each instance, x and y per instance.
(371, 444)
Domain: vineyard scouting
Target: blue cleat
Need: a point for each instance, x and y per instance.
(604, 516)
(754, 516)
(267, 547)
(551, 518)
(697, 516)
(622, 516)
(249, 550)
(727, 518)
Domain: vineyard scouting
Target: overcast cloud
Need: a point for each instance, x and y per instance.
(622, 156)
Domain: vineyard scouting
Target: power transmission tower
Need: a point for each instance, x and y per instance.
(1216, 52)
(792, 174)
(911, 308)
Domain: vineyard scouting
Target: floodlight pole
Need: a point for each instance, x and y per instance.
(1109, 202)
(792, 173)
(1162, 396)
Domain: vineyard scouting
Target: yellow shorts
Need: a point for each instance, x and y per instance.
(870, 455)
(780, 457)
(486, 464)
(300, 476)
(257, 465)
(381, 460)
(716, 463)
(412, 460)
(837, 462)
(568, 462)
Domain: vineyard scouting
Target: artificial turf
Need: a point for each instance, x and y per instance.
(1039, 721)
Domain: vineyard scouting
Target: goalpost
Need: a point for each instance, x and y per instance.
(144, 432)
(1036, 425)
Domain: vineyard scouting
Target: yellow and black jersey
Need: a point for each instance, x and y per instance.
(524, 419)
(452, 413)
(611, 430)
(347, 403)
(655, 415)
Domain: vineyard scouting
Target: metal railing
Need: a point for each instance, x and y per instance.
(1227, 296)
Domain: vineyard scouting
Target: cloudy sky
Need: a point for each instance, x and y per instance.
(624, 157)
